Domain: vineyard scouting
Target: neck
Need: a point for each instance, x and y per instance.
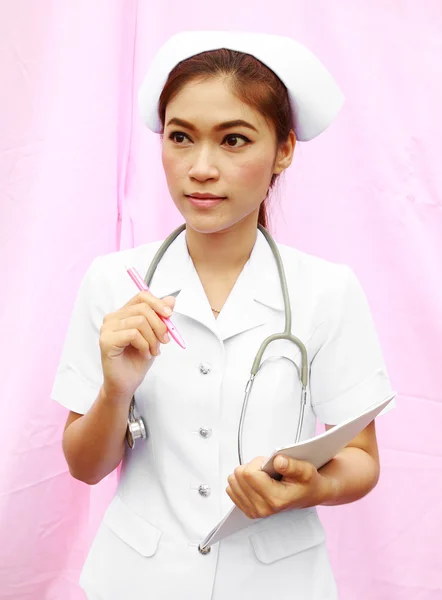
(223, 251)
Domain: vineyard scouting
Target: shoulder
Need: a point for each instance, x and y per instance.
(316, 275)
(321, 291)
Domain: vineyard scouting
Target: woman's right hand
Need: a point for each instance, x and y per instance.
(130, 339)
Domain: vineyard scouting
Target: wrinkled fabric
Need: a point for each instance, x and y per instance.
(80, 176)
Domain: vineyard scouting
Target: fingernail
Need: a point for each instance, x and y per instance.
(282, 462)
(166, 338)
(148, 355)
(167, 310)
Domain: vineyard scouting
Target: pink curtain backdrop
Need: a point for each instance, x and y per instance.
(81, 176)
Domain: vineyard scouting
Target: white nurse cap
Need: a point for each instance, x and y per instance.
(314, 96)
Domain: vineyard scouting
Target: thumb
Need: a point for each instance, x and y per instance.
(169, 300)
(299, 470)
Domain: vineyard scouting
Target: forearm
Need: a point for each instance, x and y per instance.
(351, 475)
(94, 444)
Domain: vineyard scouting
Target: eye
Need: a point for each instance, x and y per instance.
(236, 136)
(176, 136)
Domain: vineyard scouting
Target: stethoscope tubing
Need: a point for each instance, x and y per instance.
(136, 425)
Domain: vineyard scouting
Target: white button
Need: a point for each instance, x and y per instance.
(205, 433)
(204, 490)
(205, 368)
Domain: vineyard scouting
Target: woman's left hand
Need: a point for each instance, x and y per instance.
(259, 495)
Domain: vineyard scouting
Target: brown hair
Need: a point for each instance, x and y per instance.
(250, 80)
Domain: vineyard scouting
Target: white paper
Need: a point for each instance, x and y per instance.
(318, 450)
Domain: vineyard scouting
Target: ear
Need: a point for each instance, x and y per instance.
(284, 155)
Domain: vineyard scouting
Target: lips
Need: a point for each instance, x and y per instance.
(205, 196)
(205, 200)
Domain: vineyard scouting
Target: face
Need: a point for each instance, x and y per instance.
(204, 152)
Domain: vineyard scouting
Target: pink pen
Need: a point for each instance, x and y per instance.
(141, 285)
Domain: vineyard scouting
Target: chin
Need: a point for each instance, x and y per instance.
(208, 225)
(210, 222)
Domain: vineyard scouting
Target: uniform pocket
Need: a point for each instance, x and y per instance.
(287, 537)
(138, 533)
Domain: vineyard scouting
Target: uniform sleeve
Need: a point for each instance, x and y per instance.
(347, 373)
(79, 374)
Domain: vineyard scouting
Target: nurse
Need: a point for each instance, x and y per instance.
(229, 108)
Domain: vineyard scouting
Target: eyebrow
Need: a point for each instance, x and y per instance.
(220, 127)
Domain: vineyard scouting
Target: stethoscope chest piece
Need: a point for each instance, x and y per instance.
(136, 429)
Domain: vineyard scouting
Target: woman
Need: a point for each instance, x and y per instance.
(229, 108)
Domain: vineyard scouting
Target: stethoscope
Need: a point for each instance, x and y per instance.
(135, 426)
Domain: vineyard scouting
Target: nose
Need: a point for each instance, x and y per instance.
(203, 166)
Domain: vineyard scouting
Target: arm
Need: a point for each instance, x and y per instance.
(347, 375)
(93, 444)
(354, 471)
(349, 476)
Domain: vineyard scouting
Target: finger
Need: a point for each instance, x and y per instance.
(157, 304)
(239, 498)
(170, 301)
(298, 470)
(140, 323)
(114, 342)
(155, 323)
(151, 321)
(262, 485)
(253, 493)
(243, 475)
(257, 463)
(252, 470)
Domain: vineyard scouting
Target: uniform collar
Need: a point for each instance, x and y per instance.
(256, 291)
